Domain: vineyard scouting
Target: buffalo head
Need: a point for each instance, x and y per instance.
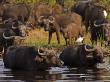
(48, 22)
(95, 53)
(50, 25)
(13, 28)
(102, 28)
(49, 58)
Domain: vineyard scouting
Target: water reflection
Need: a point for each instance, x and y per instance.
(55, 74)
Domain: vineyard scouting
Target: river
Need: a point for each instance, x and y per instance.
(57, 74)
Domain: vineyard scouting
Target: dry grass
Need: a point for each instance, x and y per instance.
(39, 37)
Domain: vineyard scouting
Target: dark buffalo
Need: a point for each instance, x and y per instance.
(9, 31)
(101, 31)
(89, 12)
(68, 24)
(81, 55)
(30, 58)
(81, 6)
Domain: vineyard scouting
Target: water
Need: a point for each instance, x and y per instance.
(56, 74)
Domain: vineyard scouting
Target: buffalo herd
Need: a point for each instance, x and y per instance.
(94, 18)
(85, 16)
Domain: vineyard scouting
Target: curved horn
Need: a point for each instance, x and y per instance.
(89, 50)
(41, 54)
(13, 27)
(19, 37)
(40, 19)
(51, 19)
(10, 37)
(6, 20)
(98, 25)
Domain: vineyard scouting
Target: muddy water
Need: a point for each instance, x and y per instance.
(56, 74)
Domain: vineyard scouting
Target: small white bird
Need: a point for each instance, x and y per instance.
(80, 39)
(105, 13)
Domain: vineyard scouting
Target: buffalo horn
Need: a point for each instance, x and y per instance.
(51, 19)
(10, 37)
(89, 50)
(41, 54)
(40, 19)
(13, 27)
(19, 37)
(98, 25)
(7, 20)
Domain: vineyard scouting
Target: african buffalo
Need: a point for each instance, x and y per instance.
(81, 55)
(40, 10)
(19, 12)
(89, 12)
(101, 31)
(30, 58)
(9, 31)
(69, 25)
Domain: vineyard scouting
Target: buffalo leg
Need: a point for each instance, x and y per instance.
(58, 36)
(50, 37)
(66, 41)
